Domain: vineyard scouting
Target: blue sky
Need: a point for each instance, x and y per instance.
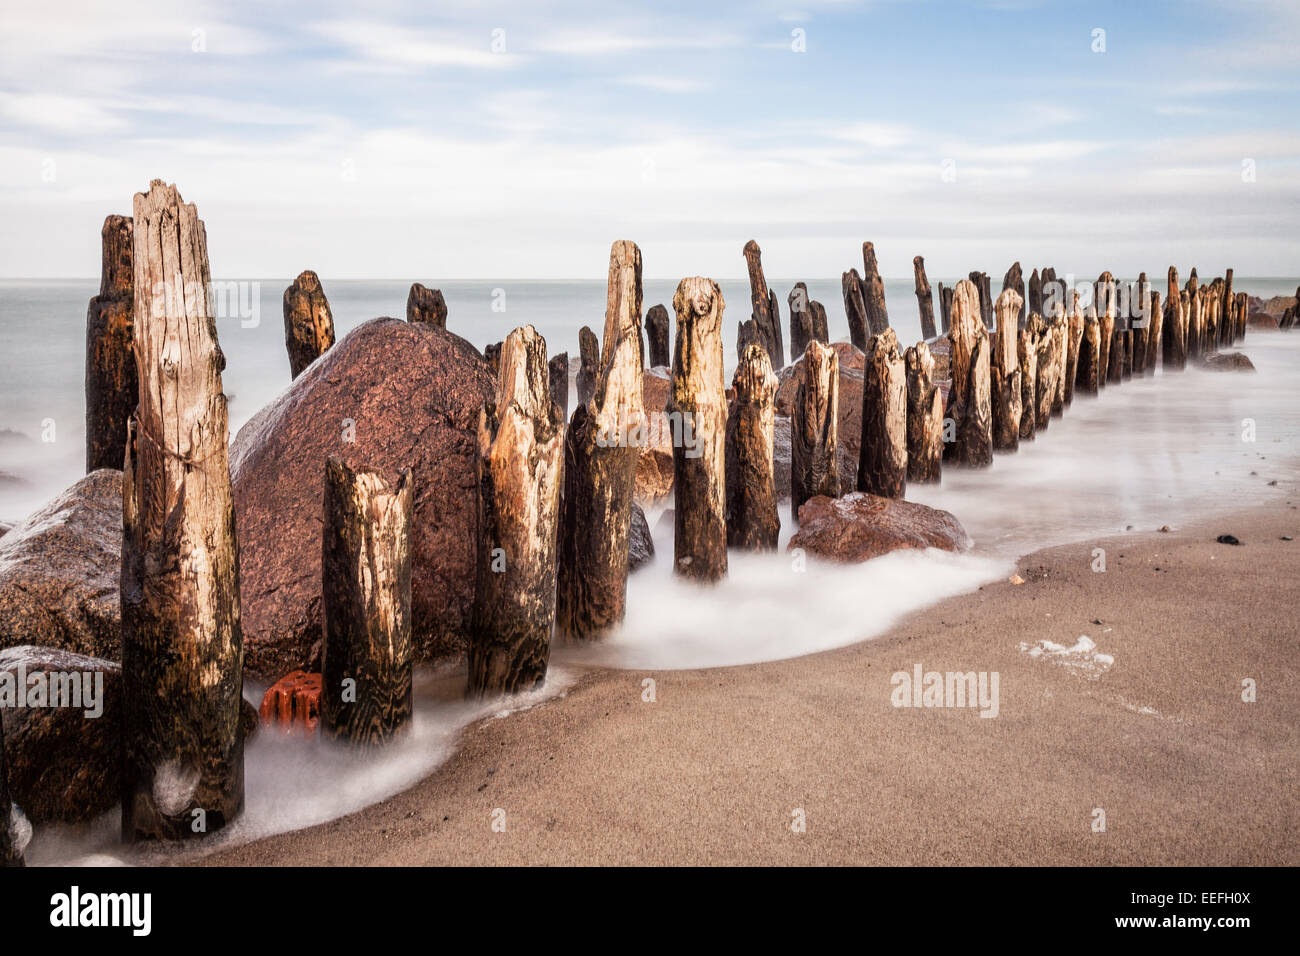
(384, 140)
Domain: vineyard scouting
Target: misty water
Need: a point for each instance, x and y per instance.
(1154, 451)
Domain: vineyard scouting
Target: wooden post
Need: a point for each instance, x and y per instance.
(366, 654)
(1174, 332)
(764, 304)
(1050, 341)
(426, 305)
(1155, 326)
(182, 648)
(1195, 320)
(1015, 279)
(820, 330)
(945, 304)
(111, 386)
(521, 449)
(492, 355)
(600, 458)
(558, 367)
(1004, 373)
(1073, 338)
(1104, 296)
(748, 333)
(308, 324)
(873, 291)
(1140, 329)
(882, 460)
(752, 520)
(1060, 326)
(924, 298)
(855, 308)
(981, 280)
(970, 404)
(814, 429)
(656, 326)
(1027, 353)
(802, 329)
(924, 416)
(11, 853)
(1036, 282)
(698, 400)
(589, 369)
(1090, 373)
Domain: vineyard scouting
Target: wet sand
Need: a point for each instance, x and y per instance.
(713, 770)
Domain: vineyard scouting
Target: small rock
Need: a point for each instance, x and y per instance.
(1227, 539)
(1287, 537)
(1016, 579)
(1165, 529)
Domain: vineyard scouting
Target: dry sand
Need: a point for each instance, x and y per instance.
(710, 773)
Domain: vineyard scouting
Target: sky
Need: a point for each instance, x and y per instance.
(518, 140)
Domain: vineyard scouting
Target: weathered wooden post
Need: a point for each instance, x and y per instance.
(882, 460)
(1155, 327)
(1036, 283)
(764, 305)
(1226, 305)
(308, 324)
(752, 520)
(924, 416)
(698, 401)
(600, 457)
(924, 298)
(1073, 338)
(111, 387)
(558, 368)
(970, 405)
(1195, 321)
(366, 653)
(821, 331)
(182, 648)
(855, 308)
(1174, 333)
(656, 328)
(1104, 296)
(1060, 326)
(945, 305)
(748, 333)
(873, 291)
(589, 367)
(1027, 354)
(1004, 372)
(1048, 371)
(492, 355)
(814, 428)
(426, 305)
(521, 463)
(1141, 314)
(802, 329)
(11, 852)
(1090, 374)
(1015, 279)
(981, 281)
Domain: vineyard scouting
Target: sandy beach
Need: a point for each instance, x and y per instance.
(714, 770)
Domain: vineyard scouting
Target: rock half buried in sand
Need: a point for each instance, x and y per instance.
(390, 395)
(1228, 362)
(59, 571)
(861, 526)
(640, 543)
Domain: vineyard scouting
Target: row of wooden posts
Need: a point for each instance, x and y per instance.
(555, 498)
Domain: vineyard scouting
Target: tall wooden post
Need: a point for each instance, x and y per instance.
(308, 324)
(1015, 279)
(873, 291)
(1036, 283)
(1027, 354)
(521, 462)
(182, 648)
(589, 364)
(924, 298)
(882, 462)
(1155, 328)
(698, 401)
(820, 330)
(1004, 373)
(600, 458)
(1073, 339)
(558, 368)
(970, 404)
(802, 329)
(924, 416)
(1104, 296)
(1050, 342)
(855, 308)
(945, 305)
(656, 330)
(366, 655)
(760, 297)
(1140, 328)
(426, 305)
(814, 428)
(111, 386)
(752, 520)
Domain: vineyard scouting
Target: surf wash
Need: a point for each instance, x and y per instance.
(72, 909)
(75, 689)
(950, 689)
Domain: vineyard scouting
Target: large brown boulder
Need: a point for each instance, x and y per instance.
(851, 361)
(1228, 362)
(59, 571)
(1262, 321)
(654, 468)
(861, 526)
(389, 395)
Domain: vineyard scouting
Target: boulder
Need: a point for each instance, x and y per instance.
(851, 361)
(861, 526)
(1275, 306)
(390, 395)
(654, 468)
(63, 761)
(1262, 321)
(59, 571)
(1228, 362)
(640, 543)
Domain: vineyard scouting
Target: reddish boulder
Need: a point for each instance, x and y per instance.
(1228, 362)
(862, 526)
(390, 395)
